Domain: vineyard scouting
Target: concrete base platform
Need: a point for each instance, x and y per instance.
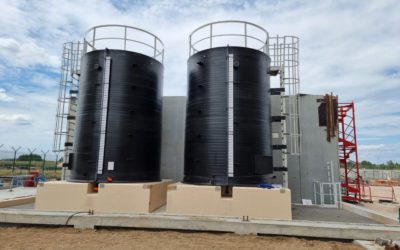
(17, 201)
(18, 192)
(371, 214)
(244, 202)
(299, 212)
(203, 223)
(320, 214)
(110, 197)
(17, 196)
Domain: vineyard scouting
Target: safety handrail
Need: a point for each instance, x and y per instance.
(263, 41)
(90, 39)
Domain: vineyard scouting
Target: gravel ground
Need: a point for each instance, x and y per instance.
(69, 238)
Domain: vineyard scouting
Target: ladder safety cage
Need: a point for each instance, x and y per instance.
(284, 54)
(67, 98)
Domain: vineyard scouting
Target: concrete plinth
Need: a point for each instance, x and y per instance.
(246, 202)
(110, 197)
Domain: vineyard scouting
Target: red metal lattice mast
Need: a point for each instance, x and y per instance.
(348, 156)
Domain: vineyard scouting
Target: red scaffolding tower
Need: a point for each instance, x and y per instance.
(348, 156)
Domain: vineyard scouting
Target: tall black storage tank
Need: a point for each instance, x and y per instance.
(118, 122)
(228, 127)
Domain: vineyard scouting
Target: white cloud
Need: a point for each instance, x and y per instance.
(4, 97)
(25, 54)
(371, 147)
(379, 153)
(16, 119)
(44, 81)
(35, 110)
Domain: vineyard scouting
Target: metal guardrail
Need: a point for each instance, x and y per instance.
(261, 37)
(92, 39)
(327, 194)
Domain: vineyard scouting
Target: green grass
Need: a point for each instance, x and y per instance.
(25, 164)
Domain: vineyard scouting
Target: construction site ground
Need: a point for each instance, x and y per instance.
(116, 238)
(69, 238)
(382, 203)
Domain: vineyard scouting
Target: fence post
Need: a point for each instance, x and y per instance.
(15, 157)
(55, 165)
(30, 158)
(44, 159)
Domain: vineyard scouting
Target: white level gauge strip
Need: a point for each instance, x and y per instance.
(230, 117)
(104, 113)
(284, 132)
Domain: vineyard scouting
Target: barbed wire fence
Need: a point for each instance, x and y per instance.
(18, 160)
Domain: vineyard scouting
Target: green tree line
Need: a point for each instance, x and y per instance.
(389, 165)
(28, 157)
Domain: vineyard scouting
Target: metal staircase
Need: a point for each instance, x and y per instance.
(348, 155)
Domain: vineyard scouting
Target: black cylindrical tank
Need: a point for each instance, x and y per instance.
(207, 122)
(130, 106)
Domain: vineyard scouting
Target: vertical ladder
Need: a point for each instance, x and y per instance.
(329, 167)
(284, 133)
(273, 71)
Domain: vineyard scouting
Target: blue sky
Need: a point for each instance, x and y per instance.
(350, 48)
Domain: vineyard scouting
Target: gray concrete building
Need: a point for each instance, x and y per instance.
(317, 162)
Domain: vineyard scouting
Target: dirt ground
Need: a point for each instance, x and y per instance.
(379, 192)
(389, 209)
(69, 238)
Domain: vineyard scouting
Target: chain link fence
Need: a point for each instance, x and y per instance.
(369, 174)
(373, 174)
(20, 161)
